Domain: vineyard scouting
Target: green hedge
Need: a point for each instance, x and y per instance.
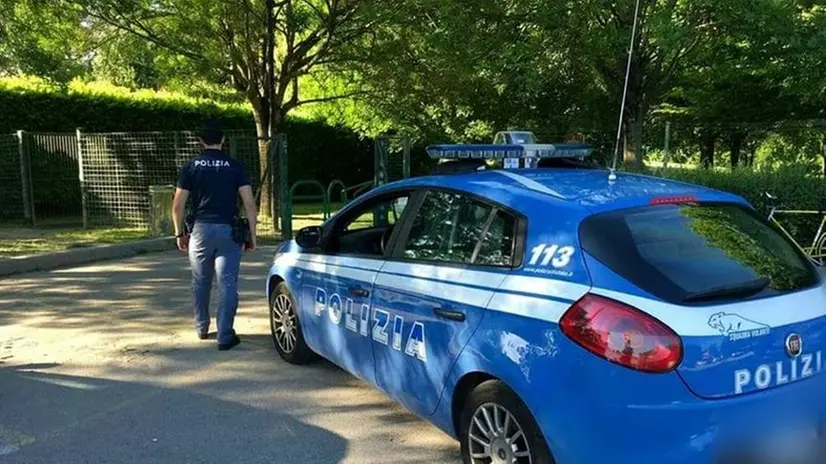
(316, 150)
(794, 188)
(42, 108)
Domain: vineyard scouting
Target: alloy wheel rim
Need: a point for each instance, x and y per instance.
(284, 328)
(495, 437)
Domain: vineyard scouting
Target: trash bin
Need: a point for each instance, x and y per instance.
(160, 210)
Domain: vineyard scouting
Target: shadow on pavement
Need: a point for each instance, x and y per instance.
(123, 378)
(80, 420)
(153, 291)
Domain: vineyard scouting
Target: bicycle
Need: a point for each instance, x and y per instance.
(817, 251)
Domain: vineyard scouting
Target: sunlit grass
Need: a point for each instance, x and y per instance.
(20, 241)
(306, 215)
(23, 241)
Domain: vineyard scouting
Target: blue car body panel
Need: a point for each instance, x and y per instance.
(410, 294)
(734, 385)
(335, 316)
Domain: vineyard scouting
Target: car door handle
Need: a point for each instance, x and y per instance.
(359, 292)
(449, 314)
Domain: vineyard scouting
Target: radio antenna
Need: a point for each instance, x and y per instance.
(612, 176)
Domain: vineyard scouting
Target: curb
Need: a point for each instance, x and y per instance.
(68, 258)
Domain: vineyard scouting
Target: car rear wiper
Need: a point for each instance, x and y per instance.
(744, 289)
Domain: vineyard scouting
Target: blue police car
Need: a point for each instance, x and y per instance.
(556, 315)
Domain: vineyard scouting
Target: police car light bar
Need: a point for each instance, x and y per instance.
(493, 151)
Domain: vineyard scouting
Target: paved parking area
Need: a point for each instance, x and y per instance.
(100, 364)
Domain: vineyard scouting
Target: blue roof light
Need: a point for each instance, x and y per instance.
(497, 151)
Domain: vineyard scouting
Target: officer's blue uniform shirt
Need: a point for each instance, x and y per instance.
(213, 180)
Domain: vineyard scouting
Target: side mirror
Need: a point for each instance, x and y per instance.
(309, 237)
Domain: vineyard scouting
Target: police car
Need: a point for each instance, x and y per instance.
(514, 138)
(562, 315)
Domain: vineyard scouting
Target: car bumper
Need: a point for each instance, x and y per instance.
(762, 428)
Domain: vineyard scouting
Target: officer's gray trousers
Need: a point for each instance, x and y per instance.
(213, 252)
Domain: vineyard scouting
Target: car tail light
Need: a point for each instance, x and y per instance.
(622, 334)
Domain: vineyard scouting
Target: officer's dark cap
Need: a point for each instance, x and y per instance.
(211, 133)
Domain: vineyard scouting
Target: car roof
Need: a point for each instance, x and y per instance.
(587, 189)
(517, 132)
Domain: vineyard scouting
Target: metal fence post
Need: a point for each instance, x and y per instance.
(24, 178)
(406, 157)
(381, 177)
(667, 150)
(380, 156)
(283, 187)
(82, 179)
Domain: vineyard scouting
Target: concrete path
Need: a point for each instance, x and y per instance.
(100, 364)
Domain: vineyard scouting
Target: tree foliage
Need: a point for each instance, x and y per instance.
(725, 71)
(261, 49)
(37, 38)
(462, 70)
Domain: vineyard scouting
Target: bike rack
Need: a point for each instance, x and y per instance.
(324, 196)
(817, 251)
(362, 187)
(343, 190)
(291, 197)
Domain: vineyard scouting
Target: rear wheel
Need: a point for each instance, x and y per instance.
(285, 327)
(497, 428)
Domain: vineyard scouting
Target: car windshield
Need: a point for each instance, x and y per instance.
(697, 253)
(523, 138)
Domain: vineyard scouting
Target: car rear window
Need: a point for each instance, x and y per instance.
(697, 252)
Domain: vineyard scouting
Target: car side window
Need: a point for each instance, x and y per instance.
(497, 245)
(448, 227)
(366, 230)
(384, 214)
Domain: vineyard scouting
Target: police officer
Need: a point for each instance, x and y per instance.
(214, 181)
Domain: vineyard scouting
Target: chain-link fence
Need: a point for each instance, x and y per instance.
(14, 204)
(124, 179)
(54, 185)
(97, 179)
(117, 170)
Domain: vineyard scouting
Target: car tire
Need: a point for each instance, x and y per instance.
(285, 328)
(510, 415)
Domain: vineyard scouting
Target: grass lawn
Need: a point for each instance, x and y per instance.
(25, 241)
(22, 241)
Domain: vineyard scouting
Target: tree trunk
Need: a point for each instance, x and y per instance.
(636, 141)
(824, 165)
(636, 121)
(262, 131)
(736, 146)
(823, 153)
(627, 152)
(707, 141)
(632, 145)
(270, 203)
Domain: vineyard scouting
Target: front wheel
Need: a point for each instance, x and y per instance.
(497, 428)
(285, 327)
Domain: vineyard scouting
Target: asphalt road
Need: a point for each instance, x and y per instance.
(100, 364)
